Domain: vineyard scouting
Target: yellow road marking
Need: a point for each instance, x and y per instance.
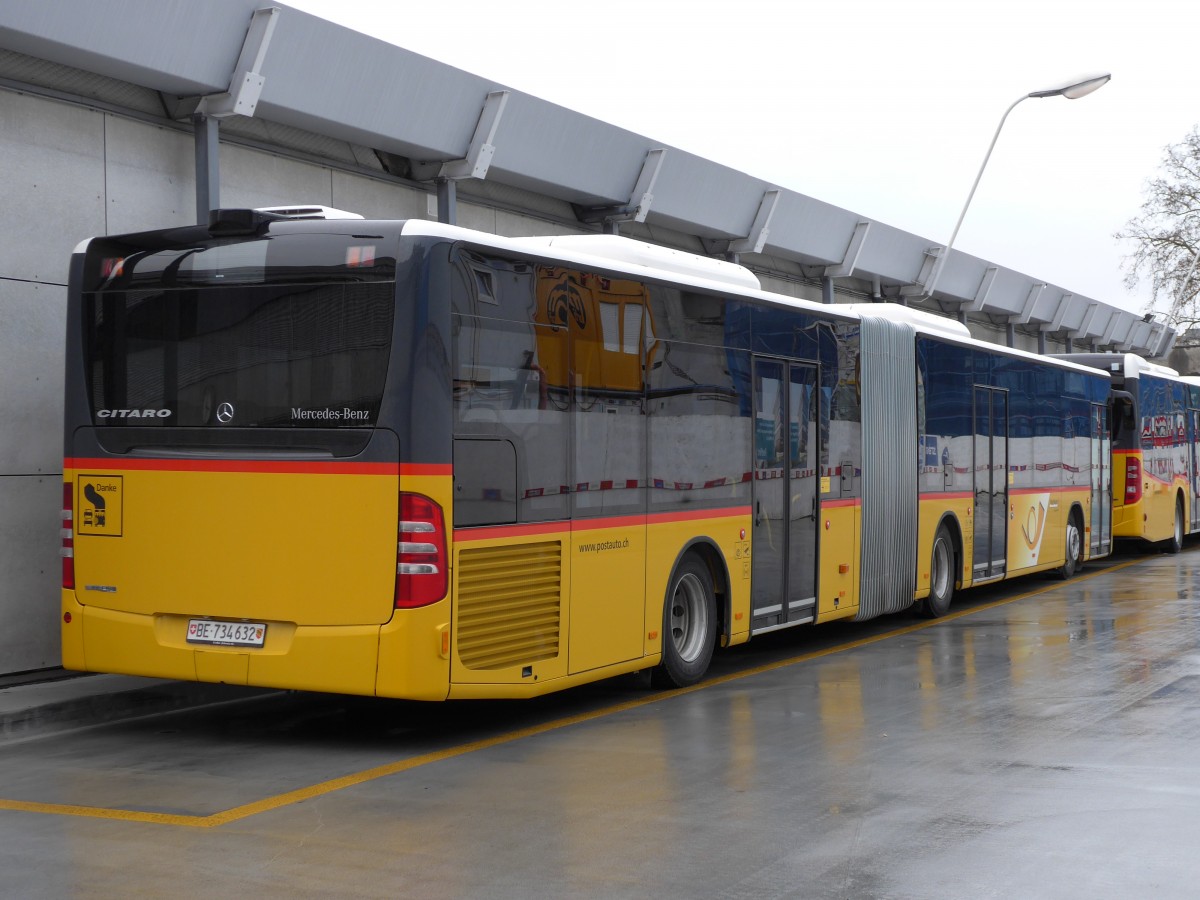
(336, 784)
(97, 812)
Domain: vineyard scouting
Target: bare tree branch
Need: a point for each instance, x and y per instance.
(1165, 235)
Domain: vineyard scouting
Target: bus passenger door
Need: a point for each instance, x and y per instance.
(804, 465)
(1101, 482)
(1194, 466)
(991, 483)
(786, 464)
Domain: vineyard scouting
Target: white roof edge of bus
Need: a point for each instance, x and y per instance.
(81, 247)
(922, 321)
(652, 256)
(567, 252)
(952, 329)
(1131, 365)
(1135, 366)
(605, 251)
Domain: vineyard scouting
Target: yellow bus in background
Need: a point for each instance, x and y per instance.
(1156, 448)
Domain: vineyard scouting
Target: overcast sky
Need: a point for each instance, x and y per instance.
(883, 107)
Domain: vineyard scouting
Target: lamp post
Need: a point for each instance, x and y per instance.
(1072, 90)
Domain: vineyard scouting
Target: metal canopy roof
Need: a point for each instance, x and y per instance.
(329, 80)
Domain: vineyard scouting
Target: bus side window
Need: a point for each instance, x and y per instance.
(1121, 422)
(485, 482)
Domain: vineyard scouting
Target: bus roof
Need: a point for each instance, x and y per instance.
(635, 258)
(1127, 364)
(652, 256)
(921, 321)
(640, 259)
(610, 250)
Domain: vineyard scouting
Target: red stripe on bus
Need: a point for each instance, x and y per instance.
(1052, 489)
(693, 515)
(276, 467)
(493, 532)
(950, 495)
(834, 504)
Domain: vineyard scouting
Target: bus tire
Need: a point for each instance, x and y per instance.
(1174, 543)
(689, 629)
(1074, 548)
(941, 577)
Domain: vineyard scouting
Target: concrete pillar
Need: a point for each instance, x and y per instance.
(447, 200)
(208, 166)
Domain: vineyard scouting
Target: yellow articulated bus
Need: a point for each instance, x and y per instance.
(1156, 449)
(404, 459)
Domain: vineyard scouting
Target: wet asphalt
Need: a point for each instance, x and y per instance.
(1041, 741)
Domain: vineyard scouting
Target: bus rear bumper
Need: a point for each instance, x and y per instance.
(1127, 521)
(341, 659)
(401, 659)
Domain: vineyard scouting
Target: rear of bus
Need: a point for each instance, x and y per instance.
(1166, 435)
(241, 503)
(1129, 518)
(1149, 445)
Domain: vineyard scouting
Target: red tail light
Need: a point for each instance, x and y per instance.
(1133, 480)
(68, 536)
(421, 553)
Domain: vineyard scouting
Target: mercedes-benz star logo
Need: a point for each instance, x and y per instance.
(225, 413)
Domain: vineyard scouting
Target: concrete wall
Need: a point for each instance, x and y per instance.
(52, 174)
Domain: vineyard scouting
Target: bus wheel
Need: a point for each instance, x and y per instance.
(1174, 543)
(689, 626)
(941, 577)
(1074, 548)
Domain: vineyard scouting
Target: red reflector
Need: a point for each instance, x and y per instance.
(1133, 480)
(421, 565)
(68, 536)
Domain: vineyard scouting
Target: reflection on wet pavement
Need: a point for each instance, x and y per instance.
(1042, 747)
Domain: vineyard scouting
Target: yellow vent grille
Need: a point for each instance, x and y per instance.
(509, 604)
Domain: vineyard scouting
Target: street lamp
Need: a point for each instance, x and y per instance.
(1187, 279)
(1072, 90)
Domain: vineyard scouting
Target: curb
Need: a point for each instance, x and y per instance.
(33, 710)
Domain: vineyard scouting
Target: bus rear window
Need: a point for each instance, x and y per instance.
(1123, 422)
(168, 260)
(239, 355)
